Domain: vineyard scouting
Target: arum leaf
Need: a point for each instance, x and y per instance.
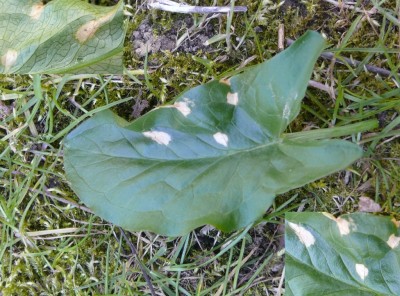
(216, 156)
(63, 36)
(355, 254)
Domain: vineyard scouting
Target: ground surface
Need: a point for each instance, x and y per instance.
(52, 245)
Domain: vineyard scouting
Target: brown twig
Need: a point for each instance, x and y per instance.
(351, 62)
(141, 266)
(63, 200)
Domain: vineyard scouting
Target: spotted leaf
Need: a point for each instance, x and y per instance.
(63, 36)
(354, 254)
(217, 155)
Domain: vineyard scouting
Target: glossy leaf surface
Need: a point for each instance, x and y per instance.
(355, 254)
(216, 156)
(63, 36)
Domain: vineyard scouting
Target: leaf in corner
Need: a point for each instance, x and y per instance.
(63, 36)
(354, 254)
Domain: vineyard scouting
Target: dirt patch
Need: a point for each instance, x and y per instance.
(138, 108)
(295, 4)
(151, 37)
(5, 111)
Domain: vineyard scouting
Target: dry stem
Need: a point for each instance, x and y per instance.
(173, 6)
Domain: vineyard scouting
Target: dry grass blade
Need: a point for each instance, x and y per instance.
(141, 266)
(172, 6)
(344, 60)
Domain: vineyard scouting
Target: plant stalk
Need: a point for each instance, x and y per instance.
(333, 132)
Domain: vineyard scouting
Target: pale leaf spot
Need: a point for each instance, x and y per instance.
(286, 112)
(395, 222)
(36, 11)
(232, 98)
(87, 30)
(221, 138)
(393, 241)
(161, 138)
(226, 81)
(305, 237)
(362, 271)
(9, 59)
(182, 106)
(343, 225)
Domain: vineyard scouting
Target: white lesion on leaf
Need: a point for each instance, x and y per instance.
(183, 106)
(362, 271)
(344, 226)
(161, 138)
(36, 11)
(393, 241)
(395, 222)
(221, 138)
(232, 98)
(87, 31)
(305, 236)
(8, 59)
(286, 112)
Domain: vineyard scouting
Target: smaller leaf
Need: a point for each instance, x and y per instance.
(354, 254)
(63, 36)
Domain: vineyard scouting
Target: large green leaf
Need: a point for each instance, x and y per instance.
(355, 254)
(63, 36)
(216, 156)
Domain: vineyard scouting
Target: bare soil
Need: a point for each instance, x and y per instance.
(151, 37)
